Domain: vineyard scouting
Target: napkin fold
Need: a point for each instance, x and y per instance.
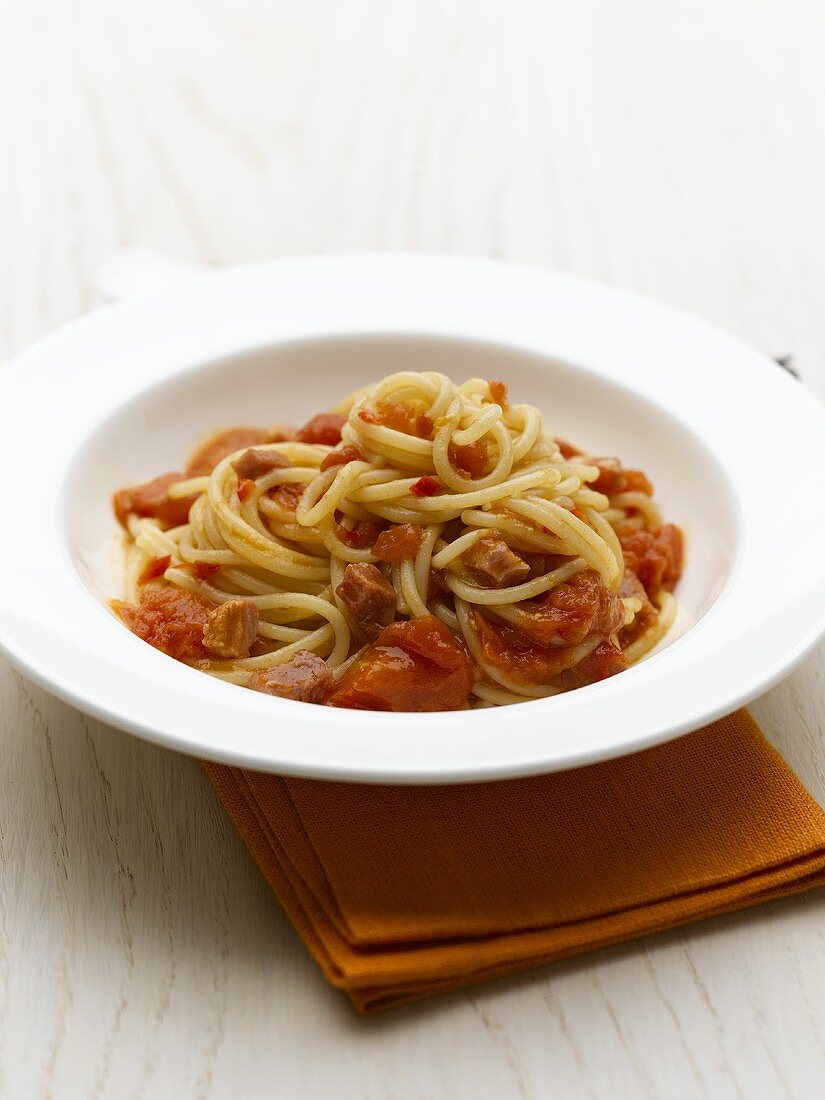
(402, 892)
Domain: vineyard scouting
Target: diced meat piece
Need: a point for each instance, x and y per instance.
(254, 463)
(605, 660)
(231, 628)
(288, 495)
(498, 393)
(152, 501)
(655, 557)
(305, 678)
(411, 666)
(399, 416)
(155, 568)
(426, 486)
(401, 541)
(172, 620)
(614, 478)
(493, 564)
(362, 535)
(207, 456)
(572, 611)
(323, 428)
(470, 461)
(368, 597)
(341, 457)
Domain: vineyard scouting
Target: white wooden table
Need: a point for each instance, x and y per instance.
(675, 148)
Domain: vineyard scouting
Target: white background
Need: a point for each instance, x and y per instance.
(671, 148)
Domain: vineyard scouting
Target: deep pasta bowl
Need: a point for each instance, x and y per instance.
(123, 392)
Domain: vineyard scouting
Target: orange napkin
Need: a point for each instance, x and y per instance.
(402, 892)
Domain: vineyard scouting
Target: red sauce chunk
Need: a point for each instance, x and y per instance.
(656, 557)
(471, 460)
(605, 660)
(425, 486)
(155, 568)
(567, 449)
(323, 428)
(172, 620)
(524, 661)
(416, 665)
(342, 457)
(287, 496)
(399, 416)
(402, 541)
(498, 393)
(245, 488)
(223, 443)
(572, 611)
(362, 535)
(152, 501)
(613, 479)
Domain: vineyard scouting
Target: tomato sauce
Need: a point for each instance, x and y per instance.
(323, 428)
(209, 454)
(656, 557)
(152, 501)
(402, 541)
(399, 416)
(470, 460)
(172, 620)
(416, 665)
(342, 457)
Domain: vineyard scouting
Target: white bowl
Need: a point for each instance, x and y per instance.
(731, 442)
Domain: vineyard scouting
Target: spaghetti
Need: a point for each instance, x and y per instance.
(425, 546)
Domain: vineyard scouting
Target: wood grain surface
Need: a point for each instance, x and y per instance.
(674, 148)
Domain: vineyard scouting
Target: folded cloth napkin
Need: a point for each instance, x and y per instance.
(402, 892)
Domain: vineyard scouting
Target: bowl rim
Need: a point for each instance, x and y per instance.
(418, 294)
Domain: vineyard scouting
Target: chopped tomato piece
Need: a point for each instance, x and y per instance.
(605, 660)
(654, 556)
(571, 611)
(323, 428)
(172, 620)
(498, 393)
(245, 487)
(362, 535)
(470, 460)
(342, 457)
(403, 541)
(155, 568)
(152, 500)
(426, 486)
(510, 651)
(567, 449)
(223, 443)
(286, 496)
(416, 665)
(614, 478)
(399, 416)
